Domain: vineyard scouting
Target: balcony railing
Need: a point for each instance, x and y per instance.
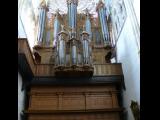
(108, 69)
(99, 69)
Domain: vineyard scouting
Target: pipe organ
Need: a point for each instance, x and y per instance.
(75, 38)
(71, 77)
(73, 52)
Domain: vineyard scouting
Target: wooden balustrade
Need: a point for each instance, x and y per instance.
(108, 69)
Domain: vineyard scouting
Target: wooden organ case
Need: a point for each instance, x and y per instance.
(72, 80)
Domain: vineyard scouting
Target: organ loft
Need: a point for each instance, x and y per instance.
(70, 75)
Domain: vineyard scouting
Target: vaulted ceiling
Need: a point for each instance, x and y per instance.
(53, 5)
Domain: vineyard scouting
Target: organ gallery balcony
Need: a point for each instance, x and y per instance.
(25, 56)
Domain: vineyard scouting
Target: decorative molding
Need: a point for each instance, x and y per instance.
(99, 80)
(74, 111)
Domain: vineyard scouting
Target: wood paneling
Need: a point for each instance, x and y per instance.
(73, 102)
(44, 70)
(107, 69)
(81, 116)
(45, 102)
(98, 101)
(72, 98)
(46, 53)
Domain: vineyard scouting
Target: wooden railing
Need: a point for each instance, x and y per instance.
(108, 69)
(99, 69)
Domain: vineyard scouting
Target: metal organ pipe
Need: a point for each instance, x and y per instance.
(88, 30)
(61, 47)
(103, 22)
(74, 55)
(56, 28)
(106, 34)
(72, 16)
(72, 12)
(88, 24)
(85, 51)
(41, 23)
(85, 46)
(102, 27)
(61, 51)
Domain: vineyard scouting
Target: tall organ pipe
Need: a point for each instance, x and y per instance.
(41, 23)
(88, 24)
(56, 28)
(62, 47)
(72, 12)
(85, 46)
(103, 22)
